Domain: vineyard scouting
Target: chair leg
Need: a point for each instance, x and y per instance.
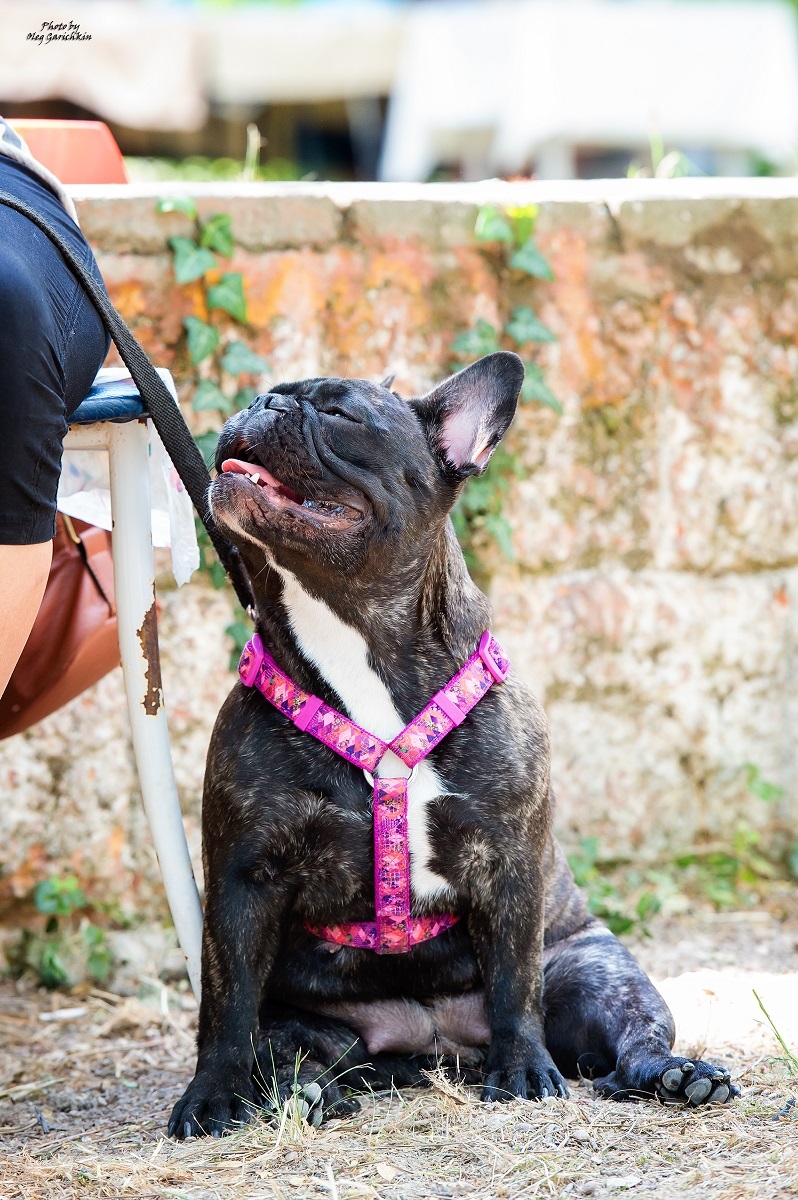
(138, 643)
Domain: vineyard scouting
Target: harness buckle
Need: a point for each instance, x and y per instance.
(251, 660)
(484, 651)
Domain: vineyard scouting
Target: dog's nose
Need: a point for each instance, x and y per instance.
(280, 403)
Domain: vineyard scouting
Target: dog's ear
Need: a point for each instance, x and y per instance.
(467, 415)
(387, 382)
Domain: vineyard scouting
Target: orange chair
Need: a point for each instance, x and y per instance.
(75, 151)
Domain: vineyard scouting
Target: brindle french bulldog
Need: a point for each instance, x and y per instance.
(338, 493)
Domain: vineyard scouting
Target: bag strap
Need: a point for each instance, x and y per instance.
(86, 557)
(166, 415)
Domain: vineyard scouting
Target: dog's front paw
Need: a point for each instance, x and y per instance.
(211, 1107)
(313, 1098)
(521, 1071)
(694, 1083)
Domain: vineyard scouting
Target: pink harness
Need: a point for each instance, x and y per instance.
(395, 931)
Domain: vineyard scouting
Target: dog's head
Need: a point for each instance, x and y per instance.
(344, 478)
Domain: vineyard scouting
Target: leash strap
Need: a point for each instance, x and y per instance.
(394, 931)
(166, 415)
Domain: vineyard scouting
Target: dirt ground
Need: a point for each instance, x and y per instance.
(87, 1082)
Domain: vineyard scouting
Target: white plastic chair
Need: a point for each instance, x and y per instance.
(112, 418)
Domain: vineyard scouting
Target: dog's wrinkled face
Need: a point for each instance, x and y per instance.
(345, 471)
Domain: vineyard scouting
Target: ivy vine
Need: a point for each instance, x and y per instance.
(221, 359)
(479, 513)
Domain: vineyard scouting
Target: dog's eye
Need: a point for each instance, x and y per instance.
(338, 412)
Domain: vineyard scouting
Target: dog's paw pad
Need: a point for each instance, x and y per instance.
(672, 1080)
(698, 1091)
(694, 1084)
(309, 1104)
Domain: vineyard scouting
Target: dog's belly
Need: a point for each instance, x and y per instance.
(454, 1026)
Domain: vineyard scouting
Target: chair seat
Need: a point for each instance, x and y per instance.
(109, 400)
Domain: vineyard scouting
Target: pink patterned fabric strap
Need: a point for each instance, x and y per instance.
(449, 707)
(394, 931)
(258, 669)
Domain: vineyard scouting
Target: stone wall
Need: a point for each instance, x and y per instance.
(651, 601)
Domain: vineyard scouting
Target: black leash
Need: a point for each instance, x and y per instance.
(166, 416)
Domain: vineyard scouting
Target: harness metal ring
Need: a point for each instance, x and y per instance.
(409, 778)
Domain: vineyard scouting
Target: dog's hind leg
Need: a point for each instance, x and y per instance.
(320, 1060)
(606, 1020)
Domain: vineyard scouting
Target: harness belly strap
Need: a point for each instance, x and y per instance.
(394, 931)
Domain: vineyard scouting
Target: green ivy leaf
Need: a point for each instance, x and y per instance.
(202, 339)
(493, 226)
(60, 896)
(529, 260)
(190, 260)
(759, 786)
(210, 398)
(228, 294)
(525, 327)
(534, 388)
(207, 446)
(523, 222)
(98, 959)
(183, 204)
(480, 340)
(499, 529)
(217, 234)
(218, 575)
(52, 971)
(244, 397)
(619, 924)
(240, 631)
(239, 359)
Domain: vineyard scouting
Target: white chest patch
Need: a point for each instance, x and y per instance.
(340, 654)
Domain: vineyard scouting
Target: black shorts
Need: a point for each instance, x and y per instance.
(52, 343)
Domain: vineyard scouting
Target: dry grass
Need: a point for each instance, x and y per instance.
(102, 1081)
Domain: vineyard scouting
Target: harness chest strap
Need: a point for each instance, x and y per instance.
(394, 931)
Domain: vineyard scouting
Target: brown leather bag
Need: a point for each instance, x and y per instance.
(73, 642)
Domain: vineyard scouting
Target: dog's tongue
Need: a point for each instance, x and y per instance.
(258, 474)
(237, 466)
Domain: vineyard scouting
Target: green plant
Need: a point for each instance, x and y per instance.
(604, 897)
(70, 946)
(479, 513)
(223, 363)
(198, 168)
(729, 876)
(790, 1057)
(240, 630)
(664, 164)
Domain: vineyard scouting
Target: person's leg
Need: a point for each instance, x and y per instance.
(51, 345)
(23, 575)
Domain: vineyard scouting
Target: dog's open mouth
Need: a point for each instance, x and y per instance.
(332, 513)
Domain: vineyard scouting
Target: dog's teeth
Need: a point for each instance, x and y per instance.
(253, 477)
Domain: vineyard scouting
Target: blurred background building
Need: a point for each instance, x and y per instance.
(446, 89)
